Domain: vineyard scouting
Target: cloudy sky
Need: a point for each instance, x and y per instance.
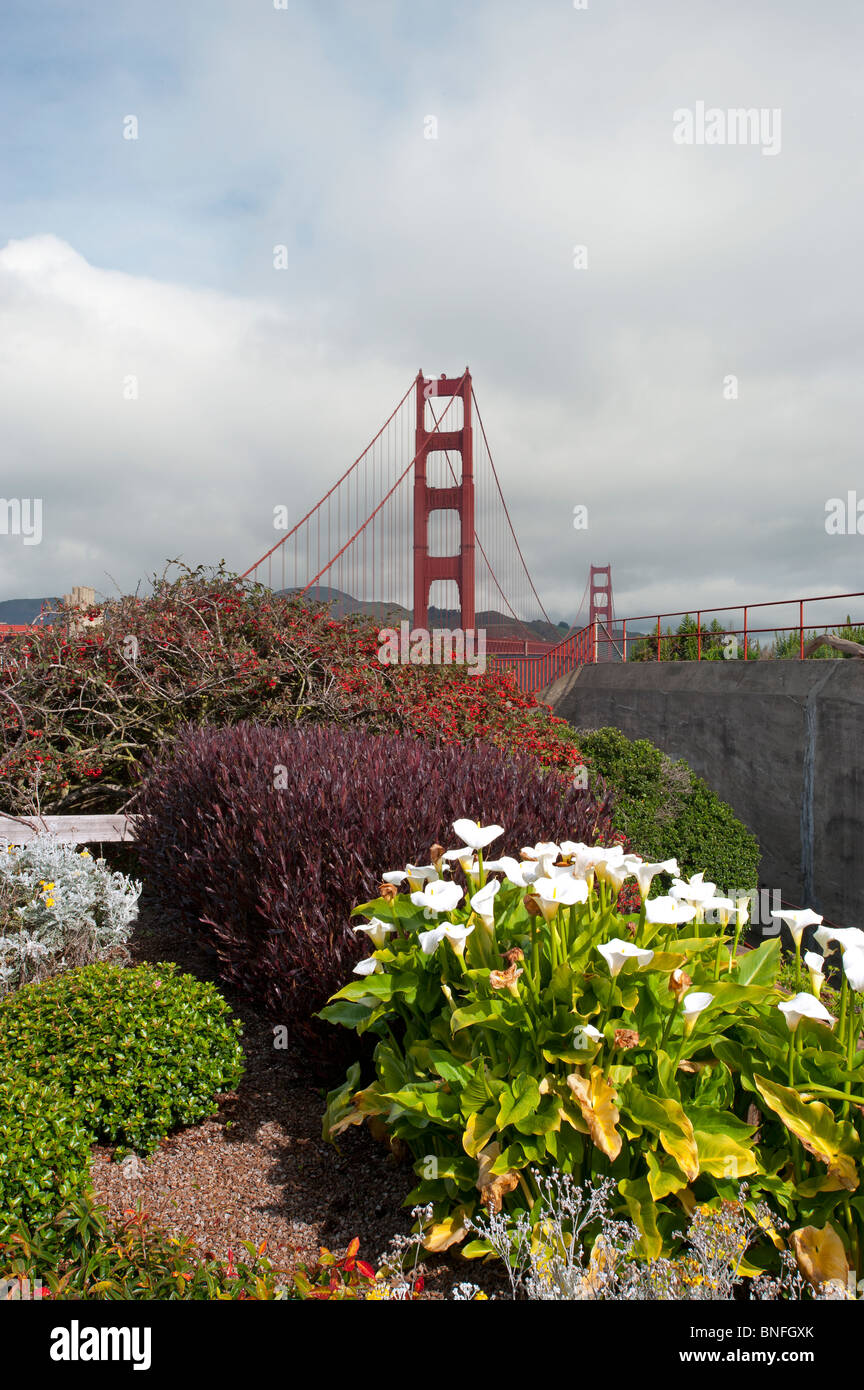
(306, 126)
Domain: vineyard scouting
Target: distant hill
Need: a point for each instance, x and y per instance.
(22, 610)
(391, 614)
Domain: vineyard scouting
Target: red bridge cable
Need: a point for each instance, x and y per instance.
(506, 509)
(337, 484)
(513, 612)
(384, 499)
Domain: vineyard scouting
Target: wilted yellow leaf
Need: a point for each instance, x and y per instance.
(595, 1097)
(820, 1254)
(493, 1187)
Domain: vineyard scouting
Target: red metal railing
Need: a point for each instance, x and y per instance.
(536, 671)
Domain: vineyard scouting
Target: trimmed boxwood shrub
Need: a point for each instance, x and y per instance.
(666, 811)
(104, 1053)
(267, 838)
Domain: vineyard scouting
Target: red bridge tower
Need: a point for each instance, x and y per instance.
(458, 498)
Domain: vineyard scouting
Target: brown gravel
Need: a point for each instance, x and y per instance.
(259, 1170)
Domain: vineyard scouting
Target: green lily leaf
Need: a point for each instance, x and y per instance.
(830, 1141)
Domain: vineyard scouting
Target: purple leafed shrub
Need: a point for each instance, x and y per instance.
(266, 838)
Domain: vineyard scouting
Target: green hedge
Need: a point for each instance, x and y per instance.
(669, 812)
(103, 1054)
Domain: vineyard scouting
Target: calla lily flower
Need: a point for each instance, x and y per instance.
(416, 874)
(455, 934)
(804, 1006)
(853, 967)
(742, 912)
(616, 952)
(520, 874)
(797, 921)
(482, 901)
(816, 970)
(584, 1034)
(369, 966)
(646, 873)
(475, 835)
(847, 938)
(438, 896)
(465, 857)
(377, 931)
(695, 890)
(669, 912)
(561, 891)
(721, 910)
(693, 1004)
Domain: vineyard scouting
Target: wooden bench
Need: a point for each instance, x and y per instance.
(74, 830)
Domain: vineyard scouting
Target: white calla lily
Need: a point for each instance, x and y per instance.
(804, 1006)
(376, 930)
(584, 1034)
(475, 835)
(483, 900)
(616, 952)
(369, 966)
(853, 967)
(515, 872)
(798, 921)
(846, 938)
(456, 934)
(816, 970)
(416, 874)
(693, 1004)
(719, 910)
(669, 912)
(694, 890)
(561, 891)
(646, 873)
(438, 896)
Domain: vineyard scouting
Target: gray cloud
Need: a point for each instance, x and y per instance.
(602, 386)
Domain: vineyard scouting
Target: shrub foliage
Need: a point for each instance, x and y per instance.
(104, 1053)
(267, 838)
(666, 811)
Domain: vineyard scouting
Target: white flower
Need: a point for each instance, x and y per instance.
(853, 966)
(468, 864)
(694, 890)
(583, 1036)
(616, 952)
(669, 912)
(721, 910)
(693, 1004)
(646, 873)
(475, 835)
(482, 901)
(798, 920)
(520, 874)
(742, 912)
(455, 934)
(816, 968)
(438, 896)
(561, 891)
(370, 966)
(376, 930)
(804, 1006)
(846, 937)
(416, 874)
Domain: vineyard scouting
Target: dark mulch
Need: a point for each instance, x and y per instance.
(259, 1170)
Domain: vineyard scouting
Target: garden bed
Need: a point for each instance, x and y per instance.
(259, 1170)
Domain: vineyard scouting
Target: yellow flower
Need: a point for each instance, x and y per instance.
(85, 854)
(49, 902)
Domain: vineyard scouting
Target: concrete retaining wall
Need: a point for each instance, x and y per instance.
(781, 741)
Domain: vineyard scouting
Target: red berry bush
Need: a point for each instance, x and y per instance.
(266, 838)
(82, 707)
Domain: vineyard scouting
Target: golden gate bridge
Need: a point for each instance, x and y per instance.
(421, 514)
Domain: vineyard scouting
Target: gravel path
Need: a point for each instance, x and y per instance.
(259, 1170)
